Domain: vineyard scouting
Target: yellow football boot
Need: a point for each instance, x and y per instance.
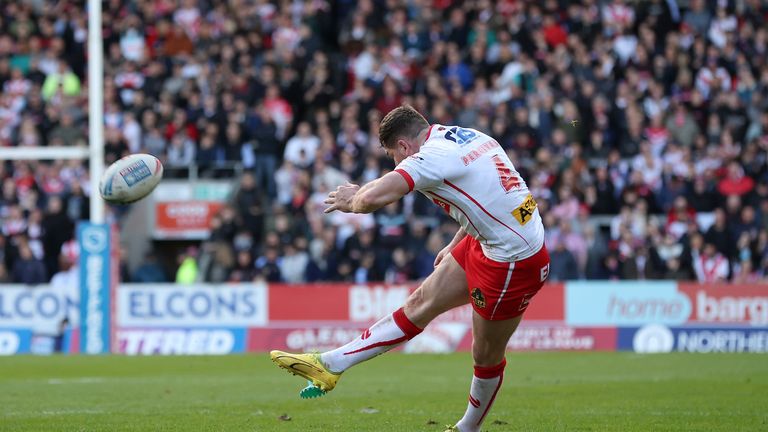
(308, 366)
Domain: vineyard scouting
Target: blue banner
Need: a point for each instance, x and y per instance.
(95, 283)
(630, 304)
(15, 341)
(181, 341)
(656, 338)
(168, 305)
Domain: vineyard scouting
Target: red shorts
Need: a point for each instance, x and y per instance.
(500, 290)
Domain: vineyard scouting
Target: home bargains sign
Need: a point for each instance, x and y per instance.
(668, 303)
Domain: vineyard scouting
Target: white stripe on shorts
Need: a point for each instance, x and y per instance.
(506, 285)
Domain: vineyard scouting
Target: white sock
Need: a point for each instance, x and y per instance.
(385, 334)
(486, 382)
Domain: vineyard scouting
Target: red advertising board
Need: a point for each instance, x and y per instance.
(301, 339)
(727, 304)
(367, 303)
(312, 302)
(318, 317)
(440, 336)
(547, 305)
(184, 219)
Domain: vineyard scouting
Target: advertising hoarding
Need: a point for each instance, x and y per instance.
(221, 319)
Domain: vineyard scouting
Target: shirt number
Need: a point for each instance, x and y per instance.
(508, 180)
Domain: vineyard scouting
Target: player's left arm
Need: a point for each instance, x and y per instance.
(372, 196)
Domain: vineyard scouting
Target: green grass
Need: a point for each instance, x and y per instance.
(541, 392)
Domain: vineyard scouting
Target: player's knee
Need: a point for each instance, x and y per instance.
(487, 354)
(413, 305)
(415, 301)
(419, 308)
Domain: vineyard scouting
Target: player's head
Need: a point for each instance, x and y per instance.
(399, 131)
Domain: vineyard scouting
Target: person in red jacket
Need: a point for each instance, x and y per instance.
(735, 181)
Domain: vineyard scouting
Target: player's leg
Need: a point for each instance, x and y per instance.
(444, 289)
(488, 346)
(501, 293)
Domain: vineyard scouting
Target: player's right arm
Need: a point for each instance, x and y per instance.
(351, 198)
(460, 234)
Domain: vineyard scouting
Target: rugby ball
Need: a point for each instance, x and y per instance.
(130, 178)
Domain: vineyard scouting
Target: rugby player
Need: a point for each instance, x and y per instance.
(497, 260)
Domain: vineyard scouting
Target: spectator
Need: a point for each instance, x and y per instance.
(710, 265)
(181, 152)
(66, 132)
(27, 269)
(149, 271)
(563, 264)
(268, 265)
(244, 270)
(293, 266)
(666, 100)
(62, 82)
(399, 270)
(735, 182)
(187, 271)
(266, 149)
(300, 149)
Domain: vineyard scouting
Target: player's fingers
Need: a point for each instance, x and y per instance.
(331, 208)
(332, 194)
(329, 200)
(438, 259)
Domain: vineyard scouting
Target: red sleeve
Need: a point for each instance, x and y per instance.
(407, 177)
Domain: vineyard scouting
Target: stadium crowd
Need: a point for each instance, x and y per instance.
(641, 127)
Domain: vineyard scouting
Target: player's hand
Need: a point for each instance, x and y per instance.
(341, 198)
(442, 254)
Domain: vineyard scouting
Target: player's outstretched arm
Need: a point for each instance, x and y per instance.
(351, 198)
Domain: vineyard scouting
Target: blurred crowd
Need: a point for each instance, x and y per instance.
(640, 126)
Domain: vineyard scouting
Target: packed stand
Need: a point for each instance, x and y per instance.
(639, 126)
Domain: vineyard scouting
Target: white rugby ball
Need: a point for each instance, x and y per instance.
(131, 178)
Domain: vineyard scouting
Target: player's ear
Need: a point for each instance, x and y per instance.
(403, 146)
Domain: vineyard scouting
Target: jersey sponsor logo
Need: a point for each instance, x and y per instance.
(525, 302)
(545, 272)
(524, 212)
(478, 298)
(443, 205)
(461, 136)
(475, 154)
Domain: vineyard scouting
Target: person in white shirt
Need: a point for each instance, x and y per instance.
(300, 150)
(710, 266)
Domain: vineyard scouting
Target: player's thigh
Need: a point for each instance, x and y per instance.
(490, 338)
(443, 290)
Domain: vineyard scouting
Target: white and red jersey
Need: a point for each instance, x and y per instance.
(468, 174)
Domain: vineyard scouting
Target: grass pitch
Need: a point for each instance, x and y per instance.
(396, 392)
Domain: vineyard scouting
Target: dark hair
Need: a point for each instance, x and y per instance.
(401, 122)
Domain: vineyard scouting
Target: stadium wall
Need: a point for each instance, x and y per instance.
(658, 316)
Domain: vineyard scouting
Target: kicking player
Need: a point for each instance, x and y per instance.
(497, 260)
